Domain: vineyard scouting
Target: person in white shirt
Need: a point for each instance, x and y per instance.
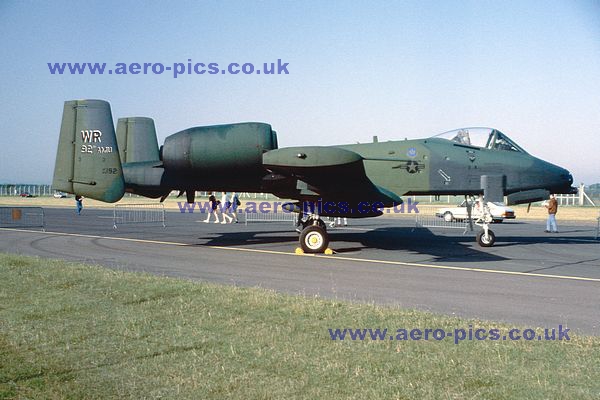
(226, 205)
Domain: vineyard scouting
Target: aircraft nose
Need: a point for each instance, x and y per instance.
(564, 181)
(565, 176)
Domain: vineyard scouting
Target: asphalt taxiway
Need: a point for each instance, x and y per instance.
(528, 278)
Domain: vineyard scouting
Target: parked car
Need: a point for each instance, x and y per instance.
(60, 195)
(26, 194)
(499, 212)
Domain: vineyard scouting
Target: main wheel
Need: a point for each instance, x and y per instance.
(448, 217)
(486, 241)
(314, 239)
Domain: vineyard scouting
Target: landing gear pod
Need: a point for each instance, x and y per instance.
(87, 159)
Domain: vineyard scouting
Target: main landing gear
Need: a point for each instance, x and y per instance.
(313, 235)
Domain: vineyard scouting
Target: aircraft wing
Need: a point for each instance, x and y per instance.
(330, 173)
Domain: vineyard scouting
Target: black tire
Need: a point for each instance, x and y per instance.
(448, 217)
(314, 239)
(486, 242)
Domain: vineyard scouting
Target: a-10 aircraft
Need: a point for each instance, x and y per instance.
(354, 180)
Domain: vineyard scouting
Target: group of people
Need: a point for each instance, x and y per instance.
(227, 207)
(339, 221)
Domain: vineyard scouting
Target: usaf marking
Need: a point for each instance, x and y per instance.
(93, 136)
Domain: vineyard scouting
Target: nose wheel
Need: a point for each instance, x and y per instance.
(486, 239)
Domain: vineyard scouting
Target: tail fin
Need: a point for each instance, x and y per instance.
(87, 159)
(137, 141)
(139, 153)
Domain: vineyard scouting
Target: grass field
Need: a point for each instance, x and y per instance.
(77, 331)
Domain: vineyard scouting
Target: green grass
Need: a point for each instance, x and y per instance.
(77, 331)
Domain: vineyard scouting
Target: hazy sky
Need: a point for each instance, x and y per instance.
(356, 69)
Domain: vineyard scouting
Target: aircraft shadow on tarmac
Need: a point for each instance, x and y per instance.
(420, 241)
(550, 238)
(439, 246)
(246, 238)
(428, 242)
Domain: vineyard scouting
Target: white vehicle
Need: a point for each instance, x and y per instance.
(499, 212)
(60, 195)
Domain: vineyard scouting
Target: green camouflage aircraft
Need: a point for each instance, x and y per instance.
(355, 181)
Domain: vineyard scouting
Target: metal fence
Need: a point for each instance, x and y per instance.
(139, 214)
(429, 218)
(34, 190)
(22, 217)
(270, 217)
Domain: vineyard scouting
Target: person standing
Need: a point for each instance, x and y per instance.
(552, 207)
(235, 203)
(79, 203)
(225, 206)
(342, 219)
(213, 208)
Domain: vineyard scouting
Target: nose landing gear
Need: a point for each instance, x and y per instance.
(485, 238)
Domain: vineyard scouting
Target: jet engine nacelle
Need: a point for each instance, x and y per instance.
(220, 149)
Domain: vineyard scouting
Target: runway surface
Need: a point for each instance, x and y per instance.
(528, 278)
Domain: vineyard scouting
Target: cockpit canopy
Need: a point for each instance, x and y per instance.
(486, 138)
